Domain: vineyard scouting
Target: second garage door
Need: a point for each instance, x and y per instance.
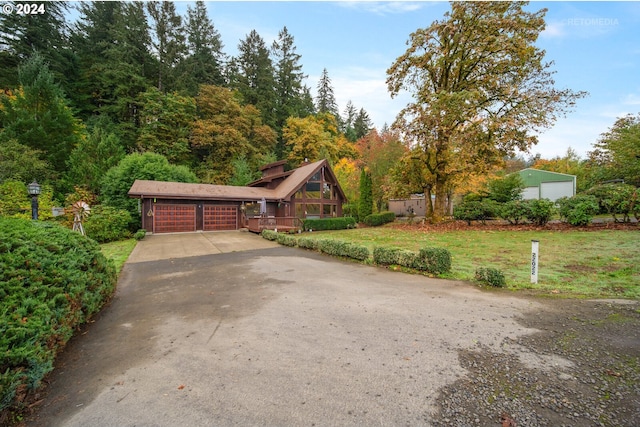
(220, 218)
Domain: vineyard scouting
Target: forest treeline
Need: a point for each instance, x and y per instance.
(131, 77)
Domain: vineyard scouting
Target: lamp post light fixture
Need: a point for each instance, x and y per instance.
(34, 191)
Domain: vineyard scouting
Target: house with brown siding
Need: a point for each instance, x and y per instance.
(278, 200)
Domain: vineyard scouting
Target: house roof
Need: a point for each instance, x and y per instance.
(179, 190)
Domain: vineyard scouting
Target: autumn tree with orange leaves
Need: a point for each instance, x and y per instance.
(481, 89)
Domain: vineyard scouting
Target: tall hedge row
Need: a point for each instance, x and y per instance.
(51, 281)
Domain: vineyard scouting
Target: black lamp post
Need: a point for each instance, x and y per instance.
(34, 191)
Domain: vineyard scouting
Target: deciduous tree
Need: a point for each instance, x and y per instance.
(617, 152)
(481, 89)
(227, 130)
(166, 123)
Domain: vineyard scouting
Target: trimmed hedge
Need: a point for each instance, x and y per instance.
(51, 281)
(306, 243)
(341, 223)
(285, 239)
(436, 260)
(379, 218)
(343, 249)
(431, 260)
(269, 234)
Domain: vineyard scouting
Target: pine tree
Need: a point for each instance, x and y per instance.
(255, 79)
(168, 41)
(38, 115)
(204, 62)
(23, 34)
(362, 124)
(348, 122)
(113, 43)
(326, 101)
(288, 83)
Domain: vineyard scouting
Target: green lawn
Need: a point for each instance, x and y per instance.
(118, 251)
(603, 264)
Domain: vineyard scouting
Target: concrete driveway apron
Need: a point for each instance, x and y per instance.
(272, 336)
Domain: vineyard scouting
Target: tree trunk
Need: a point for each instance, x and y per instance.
(427, 200)
(440, 206)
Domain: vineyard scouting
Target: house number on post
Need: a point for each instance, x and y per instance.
(534, 261)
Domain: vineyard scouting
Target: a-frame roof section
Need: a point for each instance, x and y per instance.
(300, 176)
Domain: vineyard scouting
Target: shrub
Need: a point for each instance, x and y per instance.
(51, 281)
(139, 235)
(476, 210)
(539, 211)
(379, 218)
(307, 243)
(490, 276)
(577, 210)
(107, 224)
(436, 260)
(343, 249)
(616, 199)
(514, 211)
(341, 223)
(269, 234)
(505, 189)
(396, 256)
(285, 239)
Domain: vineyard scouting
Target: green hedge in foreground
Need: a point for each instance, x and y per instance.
(51, 281)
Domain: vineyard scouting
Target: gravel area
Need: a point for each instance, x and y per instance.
(599, 386)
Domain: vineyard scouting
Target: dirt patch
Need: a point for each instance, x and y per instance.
(601, 387)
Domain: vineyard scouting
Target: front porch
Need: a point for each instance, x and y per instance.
(285, 223)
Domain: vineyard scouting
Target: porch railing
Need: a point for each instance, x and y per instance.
(280, 223)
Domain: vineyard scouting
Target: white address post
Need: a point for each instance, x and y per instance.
(534, 261)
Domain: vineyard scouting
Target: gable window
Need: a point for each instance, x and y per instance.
(313, 190)
(327, 192)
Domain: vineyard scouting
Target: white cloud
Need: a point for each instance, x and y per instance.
(631, 99)
(553, 30)
(383, 8)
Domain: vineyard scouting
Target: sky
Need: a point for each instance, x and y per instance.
(594, 46)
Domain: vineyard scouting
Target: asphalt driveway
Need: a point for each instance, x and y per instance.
(273, 336)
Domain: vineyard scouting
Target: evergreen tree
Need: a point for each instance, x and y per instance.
(38, 115)
(204, 63)
(326, 101)
(94, 156)
(113, 43)
(348, 122)
(168, 41)
(23, 34)
(288, 83)
(255, 79)
(362, 124)
(365, 203)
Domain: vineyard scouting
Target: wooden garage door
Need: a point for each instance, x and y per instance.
(220, 218)
(174, 218)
